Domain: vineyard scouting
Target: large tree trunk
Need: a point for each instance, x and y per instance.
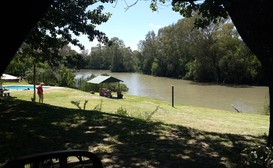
(270, 135)
(253, 20)
(34, 80)
(17, 20)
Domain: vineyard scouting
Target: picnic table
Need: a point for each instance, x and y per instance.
(105, 92)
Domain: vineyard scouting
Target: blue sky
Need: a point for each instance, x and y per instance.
(133, 24)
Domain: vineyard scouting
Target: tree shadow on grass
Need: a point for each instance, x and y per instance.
(28, 128)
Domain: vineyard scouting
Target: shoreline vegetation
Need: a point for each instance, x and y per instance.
(129, 132)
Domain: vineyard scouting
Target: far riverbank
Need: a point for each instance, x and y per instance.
(247, 99)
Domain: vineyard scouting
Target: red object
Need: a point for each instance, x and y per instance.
(40, 89)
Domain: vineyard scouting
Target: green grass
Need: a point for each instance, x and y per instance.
(183, 136)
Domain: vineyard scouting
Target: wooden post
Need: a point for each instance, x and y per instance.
(34, 81)
(172, 96)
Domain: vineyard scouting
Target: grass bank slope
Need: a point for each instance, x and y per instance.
(174, 137)
(206, 119)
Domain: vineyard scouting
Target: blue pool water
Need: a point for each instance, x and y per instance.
(22, 87)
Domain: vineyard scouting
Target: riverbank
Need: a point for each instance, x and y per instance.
(171, 137)
(247, 99)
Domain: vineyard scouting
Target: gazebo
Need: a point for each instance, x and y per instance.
(107, 79)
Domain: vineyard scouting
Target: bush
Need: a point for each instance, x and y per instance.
(66, 77)
(122, 111)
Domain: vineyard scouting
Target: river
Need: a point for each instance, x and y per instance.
(247, 99)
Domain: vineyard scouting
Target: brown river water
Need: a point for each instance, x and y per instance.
(247, 99)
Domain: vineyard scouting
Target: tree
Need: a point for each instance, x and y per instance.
(252, 19)
(148, 48)
(64, 21)
(116, 53)
(19, 65)
(98, 58)
(253, 22)
(71, 59)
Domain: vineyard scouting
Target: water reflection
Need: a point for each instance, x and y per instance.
(244, 98)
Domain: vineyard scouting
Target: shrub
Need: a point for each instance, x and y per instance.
(122, 111)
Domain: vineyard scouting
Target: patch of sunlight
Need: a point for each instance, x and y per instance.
(63, 124)
(102, 148)
(162, 138)
(191, 141)
(204, 145)
(213, 138)
(201, 137)
(111, 160)
(145, 163)
(227, 144)
(112, 139)
(214, 154)
(184, 157)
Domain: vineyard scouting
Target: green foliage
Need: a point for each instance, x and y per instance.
(19, 65)
(44, 73)
(115, 57)
(75, 61)
(66, 77)
(115, 87)
(154, 68)
(212, 11)
(99, 58)
(122, 111)
(61, 25)
(214, 54)
(51, 76)
(149, 51)
(82, 84)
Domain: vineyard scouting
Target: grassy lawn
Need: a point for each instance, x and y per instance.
(152, 134)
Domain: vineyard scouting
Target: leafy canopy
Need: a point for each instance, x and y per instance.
(64, 22)
(209, 10)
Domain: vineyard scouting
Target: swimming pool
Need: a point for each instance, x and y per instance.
(22, 87)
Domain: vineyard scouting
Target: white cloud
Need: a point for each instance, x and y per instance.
(154, 26)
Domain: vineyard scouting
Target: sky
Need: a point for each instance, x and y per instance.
(133, 24)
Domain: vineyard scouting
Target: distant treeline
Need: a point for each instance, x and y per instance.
(215, 54)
